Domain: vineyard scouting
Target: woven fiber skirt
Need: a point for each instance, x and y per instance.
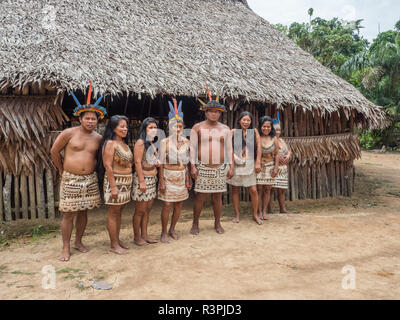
(281, 180)
(175, 186)
(264, 177)
(124, 185)
(79, 192)
(243, 181)
(211, 179)
(151, 191)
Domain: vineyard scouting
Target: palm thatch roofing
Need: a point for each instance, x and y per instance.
(166, 47)
(25, 126)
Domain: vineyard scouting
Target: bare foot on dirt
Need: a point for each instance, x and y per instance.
(235, 220)
(265, 216)
(173, 235)
(150, 240)
(65, 255)
(164, 238)
(195, 229)
(219, 228)
(140, 242)
(80, 247)
(123, 245)
(258, 220)
(119, 250)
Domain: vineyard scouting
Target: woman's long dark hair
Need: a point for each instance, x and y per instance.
(265, 119)
(109, 134)
(238, 136)
(142, 132)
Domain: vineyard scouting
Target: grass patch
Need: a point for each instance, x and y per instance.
(26, 230)
(81, 287)
(24, 273)
(68, 270)
(71, 276)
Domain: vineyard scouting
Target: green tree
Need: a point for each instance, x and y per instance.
(372, 68)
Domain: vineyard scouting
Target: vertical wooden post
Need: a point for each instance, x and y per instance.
(24, 196)
(1, 196)
(333, 178)
(294, 182)
(351, 124)
(7, 197)
(314, 180)
(286, 121)
(296, 122)
(40, 192)
(343, 177)
(318, 179)
(50, 194)
(16, 198)
(32, 200)
(290, 120)
(338, 173)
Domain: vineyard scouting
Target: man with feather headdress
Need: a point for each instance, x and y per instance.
(211, 161)
(79, 189)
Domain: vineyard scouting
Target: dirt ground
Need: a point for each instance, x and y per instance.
(293, 256)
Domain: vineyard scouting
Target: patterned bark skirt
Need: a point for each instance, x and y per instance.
(79, 192)
(175, 186)
(281, 180)
(151, 191)
(124, 185)
(264, 177)
(243, 181)
(211, 179)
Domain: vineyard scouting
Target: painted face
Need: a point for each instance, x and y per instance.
(213, 115)
(245, 122)
(266, 128)
(177, 128)
(151, 130)
(89, 121)
(121, 129)
(278, 131)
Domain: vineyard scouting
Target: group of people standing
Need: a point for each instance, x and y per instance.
(95, 168)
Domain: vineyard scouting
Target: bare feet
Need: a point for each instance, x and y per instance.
(123, 245)
(164, 238)
(80, 247)
(119, 250)
(140, 242)
(265, 216)
(173, 235)
(195, 229)
(65, 255)
(219, 228)
(150, 240)
(235, 220)
(258, 220)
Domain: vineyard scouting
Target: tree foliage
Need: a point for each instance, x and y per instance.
(373, 68)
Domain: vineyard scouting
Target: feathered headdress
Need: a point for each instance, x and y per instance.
(212, 104)
(276, 120)
(89, 107)
(175, 112)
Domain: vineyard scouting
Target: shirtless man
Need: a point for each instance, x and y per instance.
(79, 184)
(210, 156)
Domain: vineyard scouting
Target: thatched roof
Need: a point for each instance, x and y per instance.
(166, 47)
(25, 126)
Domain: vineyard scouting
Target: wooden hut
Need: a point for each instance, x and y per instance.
(140, 53)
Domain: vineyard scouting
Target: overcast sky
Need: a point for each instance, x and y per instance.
(374, 12)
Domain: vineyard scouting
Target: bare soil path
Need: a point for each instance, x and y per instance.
(292, 256)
